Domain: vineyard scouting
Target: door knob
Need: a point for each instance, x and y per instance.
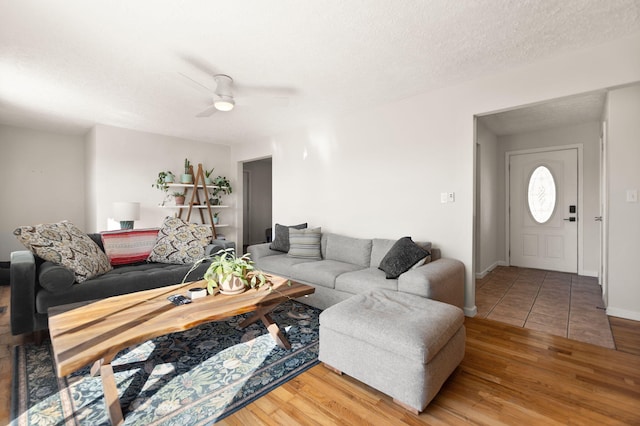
(598, 218)
(571, 219)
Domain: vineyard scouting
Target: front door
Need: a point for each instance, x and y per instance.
(543, 216)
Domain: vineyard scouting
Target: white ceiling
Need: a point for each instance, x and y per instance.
(66, 65)
(555, 113)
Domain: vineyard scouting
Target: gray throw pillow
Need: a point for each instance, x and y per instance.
(305, 243)
(401, 257)
(281, 238)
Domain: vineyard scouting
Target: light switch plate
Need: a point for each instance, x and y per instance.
(452, 197)
(443, 197)
(632, 195)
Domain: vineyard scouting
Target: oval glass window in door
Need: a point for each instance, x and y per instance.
(541, 194)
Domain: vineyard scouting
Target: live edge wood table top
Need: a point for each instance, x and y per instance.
(96, 332)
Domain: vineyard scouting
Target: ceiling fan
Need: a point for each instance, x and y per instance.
(224, 99)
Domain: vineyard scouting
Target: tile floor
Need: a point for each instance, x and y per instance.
(566, 305)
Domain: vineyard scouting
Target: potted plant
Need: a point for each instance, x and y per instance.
(163, 179)
(179, 197)
(232, 274)
(216, 219)
(223, 187)
(186, 177)
(207, 176)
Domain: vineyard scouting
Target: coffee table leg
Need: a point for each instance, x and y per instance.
(275, 332)
(263, 314)
(110, 390)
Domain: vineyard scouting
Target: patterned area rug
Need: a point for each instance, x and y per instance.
(195, 377)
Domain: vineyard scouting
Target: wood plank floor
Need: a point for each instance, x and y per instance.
(510, 375)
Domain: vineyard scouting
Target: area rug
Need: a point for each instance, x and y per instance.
(195, 377)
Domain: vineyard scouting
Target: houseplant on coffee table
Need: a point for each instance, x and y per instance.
(232, 274)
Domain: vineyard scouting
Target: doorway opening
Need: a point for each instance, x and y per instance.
(257, 202)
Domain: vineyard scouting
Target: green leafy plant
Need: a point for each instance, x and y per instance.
(225, 265)
(179, 194)
(187, 164)
(161, 182)
(223, 187)
(207, 173)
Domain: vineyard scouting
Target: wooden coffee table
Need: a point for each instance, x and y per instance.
(96, 332)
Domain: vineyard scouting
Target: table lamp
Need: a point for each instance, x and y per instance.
(126, 213)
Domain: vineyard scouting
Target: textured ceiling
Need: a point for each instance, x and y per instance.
(548, 115)
(67, 65)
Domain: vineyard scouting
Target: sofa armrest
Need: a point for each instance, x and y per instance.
(258, 251)
(441, 280)
(217, 245)
(22, 275)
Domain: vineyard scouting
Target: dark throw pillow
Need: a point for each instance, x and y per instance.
(55, 278)
(401, 257)
(281, 238)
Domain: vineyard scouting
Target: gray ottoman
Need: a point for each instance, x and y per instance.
(405, 346)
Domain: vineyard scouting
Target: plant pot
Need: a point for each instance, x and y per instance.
(179, 201)
(168, 179)
(207, 181)
(186, 178)
(216, 220)
(232, 286)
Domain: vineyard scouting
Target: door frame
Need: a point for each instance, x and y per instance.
(581, 217)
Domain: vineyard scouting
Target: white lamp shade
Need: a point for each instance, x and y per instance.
(126, 211)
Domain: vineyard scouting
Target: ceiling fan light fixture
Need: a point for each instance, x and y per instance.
(225, 103)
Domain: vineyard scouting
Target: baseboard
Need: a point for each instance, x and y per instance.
(623, 313)
(470, 312)
(589, 274)
(480, 275)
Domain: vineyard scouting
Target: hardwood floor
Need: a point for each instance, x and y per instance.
(510, 375)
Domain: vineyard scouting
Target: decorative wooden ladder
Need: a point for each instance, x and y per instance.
(198, 179)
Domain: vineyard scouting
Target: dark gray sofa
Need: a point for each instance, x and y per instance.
(30, 301)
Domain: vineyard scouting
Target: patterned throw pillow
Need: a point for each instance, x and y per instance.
(180, 242)
(305, 243)
(129, 246)
(64, 244)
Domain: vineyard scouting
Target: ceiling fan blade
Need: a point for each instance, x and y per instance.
(197, 85)
(208, 112)
(262, 101)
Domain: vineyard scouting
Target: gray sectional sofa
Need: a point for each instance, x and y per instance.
(350, 266)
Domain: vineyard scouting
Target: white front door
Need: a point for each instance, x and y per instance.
(543, 202)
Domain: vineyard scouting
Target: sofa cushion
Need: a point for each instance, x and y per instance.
(364, 280)
(128, 246)
(349, 250)
(122, 280)
(180, 242)
(55, 277)
(322, 272)
(402, 256)
(305, 243)
(279, 264)
(64, 244)
(281, 238)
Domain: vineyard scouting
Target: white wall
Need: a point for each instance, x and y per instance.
(624, 217)
(379, 172)
(488, 210)
(123, 165)
(587, 134)
(42, 177)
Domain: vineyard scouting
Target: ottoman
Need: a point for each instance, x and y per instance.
(403, 345)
